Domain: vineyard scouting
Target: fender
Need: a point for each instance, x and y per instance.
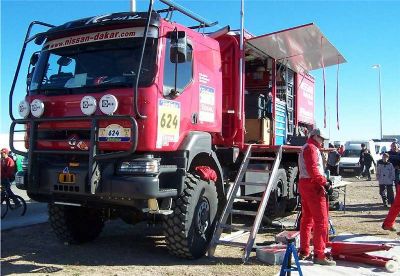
(198, 142)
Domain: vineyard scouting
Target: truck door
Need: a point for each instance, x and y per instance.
(175, 104)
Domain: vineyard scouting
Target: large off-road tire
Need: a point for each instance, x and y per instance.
(292, 203)
(189, 229)
(75, 224)
(277, 201)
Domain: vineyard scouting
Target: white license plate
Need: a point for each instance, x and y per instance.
(19, 180)
(348, 170)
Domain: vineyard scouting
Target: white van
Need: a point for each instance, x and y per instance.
(382, 147)
(349, 160)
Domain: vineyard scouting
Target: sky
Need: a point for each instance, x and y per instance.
(365, 32)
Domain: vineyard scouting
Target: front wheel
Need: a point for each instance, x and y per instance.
(189, 229)
(75, 224)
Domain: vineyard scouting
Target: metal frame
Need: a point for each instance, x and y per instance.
(175, 7)
(94, 156)
(26, 41)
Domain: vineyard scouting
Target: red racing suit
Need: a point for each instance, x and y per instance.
(313, 200)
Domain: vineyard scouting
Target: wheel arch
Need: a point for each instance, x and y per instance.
(198, 148)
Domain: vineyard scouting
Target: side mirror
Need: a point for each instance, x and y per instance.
(40, 39)
(64, 61)
(178, 47)
(34, 59)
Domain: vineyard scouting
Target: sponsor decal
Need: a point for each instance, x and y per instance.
(169, 113)
(111, 17)
(72, 141)
(100, 36)
(206, 104)
(114, 133)
(82, 145)
(203, 78)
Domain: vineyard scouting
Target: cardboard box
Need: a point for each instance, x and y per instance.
(258, 131)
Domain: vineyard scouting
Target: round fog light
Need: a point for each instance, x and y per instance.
(88, 105)
(23, 109)
(108, 104)
(37, 108)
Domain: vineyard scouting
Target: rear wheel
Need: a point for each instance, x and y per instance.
(277, 201)
(189, 229)
(292, 203)
(75, 224)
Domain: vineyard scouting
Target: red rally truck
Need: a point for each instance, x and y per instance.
(132, 115)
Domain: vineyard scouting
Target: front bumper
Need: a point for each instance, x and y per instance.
(112, 189)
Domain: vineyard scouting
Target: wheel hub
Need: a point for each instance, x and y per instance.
(203, 215)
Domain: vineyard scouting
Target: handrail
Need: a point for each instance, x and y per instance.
(26, 41)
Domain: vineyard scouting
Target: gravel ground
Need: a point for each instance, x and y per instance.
(140, 250)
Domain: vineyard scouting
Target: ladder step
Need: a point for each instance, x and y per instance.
(235, 227)
(258, 171)
(250, 198)
(231, 243)
(243, 212)
(262, 158)
(259, 184)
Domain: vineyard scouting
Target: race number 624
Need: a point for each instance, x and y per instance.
(169, 120)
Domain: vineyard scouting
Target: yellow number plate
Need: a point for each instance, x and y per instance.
(67, 178)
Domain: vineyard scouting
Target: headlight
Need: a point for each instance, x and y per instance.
(140, 166)
(23, 109)
(37, 108)
(88, 105)
(108, 104)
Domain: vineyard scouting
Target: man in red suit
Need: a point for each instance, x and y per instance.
(312, 187)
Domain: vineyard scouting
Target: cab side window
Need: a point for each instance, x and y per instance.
(184, 72)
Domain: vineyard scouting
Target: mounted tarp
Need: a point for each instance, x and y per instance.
(301, 48)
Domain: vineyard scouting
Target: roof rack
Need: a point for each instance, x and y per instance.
(175, 7)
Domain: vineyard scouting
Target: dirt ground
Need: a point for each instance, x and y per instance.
(140, 250)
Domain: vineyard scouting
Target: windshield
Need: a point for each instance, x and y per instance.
(100, 64)
(352, 153)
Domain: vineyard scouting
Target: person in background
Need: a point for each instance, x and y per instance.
(8, 174)
(385, 176)
(18, 162)
(333, 160)
(361, 161)
(313, 188)
(341, 150)
(394, 158)
(368, 161)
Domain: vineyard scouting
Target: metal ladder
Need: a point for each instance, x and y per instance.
(232, 195)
